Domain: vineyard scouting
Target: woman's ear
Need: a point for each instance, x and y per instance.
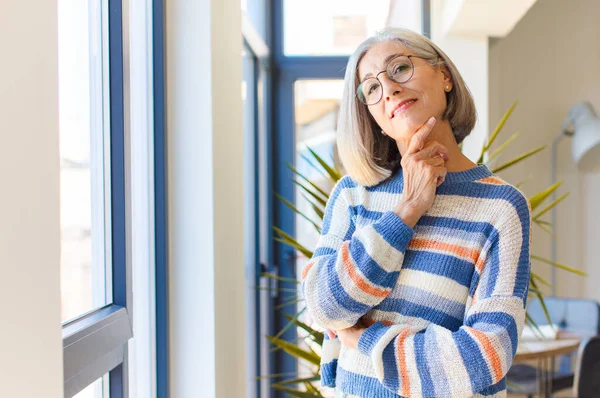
(447, 77)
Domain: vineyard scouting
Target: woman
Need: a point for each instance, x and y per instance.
(422, 269)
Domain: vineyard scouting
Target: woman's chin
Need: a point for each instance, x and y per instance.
(407, 125)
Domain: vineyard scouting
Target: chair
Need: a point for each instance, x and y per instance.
(577, 316)
(587, 372)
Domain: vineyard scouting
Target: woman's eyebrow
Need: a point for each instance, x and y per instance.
(385, 61)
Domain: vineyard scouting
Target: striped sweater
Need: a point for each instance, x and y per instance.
(444, 301)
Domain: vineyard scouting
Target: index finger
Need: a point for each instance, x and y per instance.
(417, 142)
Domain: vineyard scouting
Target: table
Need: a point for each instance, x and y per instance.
(543, 351)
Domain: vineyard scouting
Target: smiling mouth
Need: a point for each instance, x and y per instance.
(403, 107)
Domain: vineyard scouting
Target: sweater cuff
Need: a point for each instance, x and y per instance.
(368, 340)
(395, 231)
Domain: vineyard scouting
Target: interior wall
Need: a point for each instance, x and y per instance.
(549, 62)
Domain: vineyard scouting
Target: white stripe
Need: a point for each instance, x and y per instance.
(466, 239)
(382, 343)
(458, 378)
(387, 256)
(509, 251)
(352, 289)
(353, 361)
(482, 350)
(396, 318)
(431, 283)
(330, 350)
(411, 365)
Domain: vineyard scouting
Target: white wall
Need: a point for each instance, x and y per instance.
(205, 174)
(30, 332)
(470, 55)
(549, 62)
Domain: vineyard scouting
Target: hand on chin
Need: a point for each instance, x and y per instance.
(406, 127)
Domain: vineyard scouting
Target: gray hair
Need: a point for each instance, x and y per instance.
(368, 156)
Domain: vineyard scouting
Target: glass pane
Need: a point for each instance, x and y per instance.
(257, 14)
(339, 26)
(98, 389)
(316, 106)
(83, 118)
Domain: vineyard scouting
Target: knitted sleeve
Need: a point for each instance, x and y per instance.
(352, 270)
(437, 362)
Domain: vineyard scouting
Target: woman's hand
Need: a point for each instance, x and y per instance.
(349, 337)
(423, 168)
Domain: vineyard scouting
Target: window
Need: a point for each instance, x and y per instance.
(336, 29)
(316, 106)
(95, 264)
(84, 157)
(98, 389)
(254, 91)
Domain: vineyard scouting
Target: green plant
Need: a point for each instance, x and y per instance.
(317, 198)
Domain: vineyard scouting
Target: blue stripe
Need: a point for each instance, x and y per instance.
(328, 373)
(363, 212)
(393, 230)
(458, 225)
(503, 336)
(427, 387)
(408, 308)
(492, 267)
(502, 319)
(394, 184)
(345, 182)
(494, 389)
(324, 251)
(391, 379)
(485, 191)
(473, 360)
(363, 386)
(342, 299)
(440, 264)
(372, 271)
(432, 354)
(524, 267)
(371, 337)
(425, 298)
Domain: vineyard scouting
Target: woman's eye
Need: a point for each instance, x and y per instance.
(401, 68)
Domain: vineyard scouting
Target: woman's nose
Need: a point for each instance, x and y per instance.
(390, 88)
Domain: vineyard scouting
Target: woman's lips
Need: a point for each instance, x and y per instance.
(403, 107)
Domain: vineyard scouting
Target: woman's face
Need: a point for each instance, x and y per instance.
(425, 92)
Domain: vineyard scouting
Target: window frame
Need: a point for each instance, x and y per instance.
(161, 254)
(96, 343)
(260, 319)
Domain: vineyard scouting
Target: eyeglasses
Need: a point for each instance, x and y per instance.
(400, 69)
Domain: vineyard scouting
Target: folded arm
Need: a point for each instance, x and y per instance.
(352, 270)
(437, 362)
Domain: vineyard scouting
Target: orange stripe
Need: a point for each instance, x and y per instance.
(356, 278)
(307, 268)
(458, 250)
(488, 348)
(402, 362)
(492, 180)
(479, 265)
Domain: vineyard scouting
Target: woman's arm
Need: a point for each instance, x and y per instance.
(352, 270)
(436, 362)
